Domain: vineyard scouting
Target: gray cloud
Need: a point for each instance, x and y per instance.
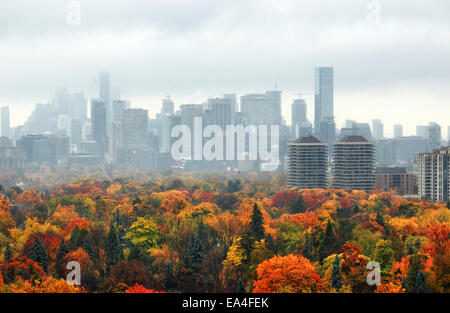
(229, 46)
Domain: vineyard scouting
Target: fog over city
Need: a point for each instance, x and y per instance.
(391, 59)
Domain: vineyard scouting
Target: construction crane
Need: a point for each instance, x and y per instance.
(302, 94)
(173, 88)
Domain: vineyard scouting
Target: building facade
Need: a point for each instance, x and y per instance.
(395, 178)
(354, 164)
(434, 174)
(307, 163)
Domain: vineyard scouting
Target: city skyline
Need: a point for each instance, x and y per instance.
(389, 60)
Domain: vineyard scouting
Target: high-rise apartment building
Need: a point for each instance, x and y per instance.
(434, 175)
(354, 164)
(307, 163)
(395, 178)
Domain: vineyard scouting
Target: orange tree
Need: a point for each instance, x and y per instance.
(290, 274)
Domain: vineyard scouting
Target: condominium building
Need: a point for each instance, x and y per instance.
(395, 178)
(354, 164)
(434, 175)
(307, 163)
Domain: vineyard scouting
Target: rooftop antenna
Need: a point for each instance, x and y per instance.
(301, 94)
(173, 87)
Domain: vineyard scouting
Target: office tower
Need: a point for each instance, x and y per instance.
(11, 156)
(307, 163)
(104, 92)
(434, 136)
(188, 112)
(64, 124)
(61, 100)
(167, 106)
(398, 131)
(422, 131)
(354, 164)
(434, 175)
(44, 148)
(4, 121)
(328, 130)
(448, 135)
(395, 178)
(231, 97)
(220, 111)
(356, 129)
(118, 106)
(118, 139)
(76, 132)
(98, 122)
(262, 109)
(135, 128)
(78, 106)
(304, 129)
(323, 98)
(377, 129)
(298, 112)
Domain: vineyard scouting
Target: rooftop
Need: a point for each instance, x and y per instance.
(354, 139)
(390, 170)
(310, 139)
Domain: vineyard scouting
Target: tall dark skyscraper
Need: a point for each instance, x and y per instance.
(98, 121)
(298, 112)
(105, 93)
(4, 121)
(323, 101)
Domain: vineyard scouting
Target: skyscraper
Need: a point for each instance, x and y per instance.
(135, 128)
(434, 136)
(398, 131)
(262, 109)
(377, 129)
(354, 164)
(105, 93)
(98, 121)
(298, 112)
(307, 163)
(323, 101)
(4, 121)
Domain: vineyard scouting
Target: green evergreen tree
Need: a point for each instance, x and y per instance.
(7, 256)
(112, 249)
(328, 241)
(88, 246)
(62, 250)
(169, 282)
(380, 220)
(256, 224)
(73, 240)
(60, 254)
(195, 250)
(38, 254)
(240, 286)
(416, 264)
(336, 282)
(421, 285)
(246, 243)
(299, 205)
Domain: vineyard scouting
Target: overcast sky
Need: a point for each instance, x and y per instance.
(391, 57)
